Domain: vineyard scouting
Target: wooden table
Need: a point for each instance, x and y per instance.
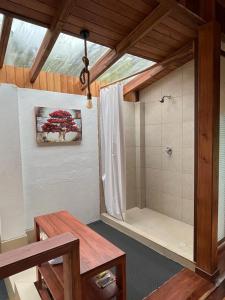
(96, 255)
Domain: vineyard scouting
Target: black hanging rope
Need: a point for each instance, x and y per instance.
(85, 74)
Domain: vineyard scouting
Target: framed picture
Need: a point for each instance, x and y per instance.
(57, 125)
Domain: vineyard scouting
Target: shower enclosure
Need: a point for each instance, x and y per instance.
(159, 143)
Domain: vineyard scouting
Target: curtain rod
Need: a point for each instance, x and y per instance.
(162, 63)
(127, 77)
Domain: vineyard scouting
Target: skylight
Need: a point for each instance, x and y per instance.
(126, 66)
(1, 18)
(24, 42)
(66, 55)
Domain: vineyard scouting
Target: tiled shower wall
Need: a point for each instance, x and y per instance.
(170, 179)
(130, 144)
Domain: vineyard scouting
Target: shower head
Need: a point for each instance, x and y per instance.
(162, 100)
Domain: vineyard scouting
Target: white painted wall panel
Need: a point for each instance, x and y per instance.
(60, 176)
(11, 189)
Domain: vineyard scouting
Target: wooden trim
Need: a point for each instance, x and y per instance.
(208, 148)
(147, 77)
(50, 39)
(5, 33)
(156, 16)
(26, 257)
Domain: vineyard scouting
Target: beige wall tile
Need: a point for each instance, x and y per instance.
(153, 199)
(188, 134)
(172, 84)
(154, 112)
(171, 183)
(130, 136)
(153, 136)
(188, 79)
(188, 160)
(188, 211)
(171, 206)
(188, 107)
(156, 91)
(130, 157)
(188, 186)
(154, 179)
(172, 110)
(171, 135)
(153, 157)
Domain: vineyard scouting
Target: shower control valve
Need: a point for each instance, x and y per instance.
(169, 151)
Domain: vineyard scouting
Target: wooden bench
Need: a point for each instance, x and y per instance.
(96, 255)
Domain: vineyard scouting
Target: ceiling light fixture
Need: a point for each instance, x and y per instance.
(85, 73)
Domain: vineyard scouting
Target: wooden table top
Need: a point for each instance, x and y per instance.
(95, 251)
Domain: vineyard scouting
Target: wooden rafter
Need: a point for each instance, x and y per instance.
(5, 32)
(178, 58)
(154, 18)
(50, 38)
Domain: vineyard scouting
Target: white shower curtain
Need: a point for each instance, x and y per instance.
(113, 150)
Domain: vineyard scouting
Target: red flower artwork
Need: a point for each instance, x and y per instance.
(60, 121)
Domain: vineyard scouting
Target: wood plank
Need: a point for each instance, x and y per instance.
(50, 39)
(52, 282)
(50, 81)
(10, 74)
(185, 285)
(70, 84)
(43, 81)
(207, 148)
(31, 255)
(3, 75)
(43, 292)
(19, 77)
(63, 80)
(5, 33)
(57, 83)
(12, 9)
(143, 28)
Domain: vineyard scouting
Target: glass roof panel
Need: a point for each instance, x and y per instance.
(125, 66)
(1, 19)
(24, 42)
(66, 55)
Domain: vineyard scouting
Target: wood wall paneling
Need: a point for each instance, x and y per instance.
(45, 81)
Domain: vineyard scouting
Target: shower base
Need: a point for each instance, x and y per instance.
(167, 236)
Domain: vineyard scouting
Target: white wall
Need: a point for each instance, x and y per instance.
(11, 190)
(61, 176)
(36, 179)
(170, 180)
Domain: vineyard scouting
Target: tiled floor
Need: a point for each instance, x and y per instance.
(168, 232)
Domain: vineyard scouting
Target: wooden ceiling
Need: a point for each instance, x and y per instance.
(146, 28)
(110, 21)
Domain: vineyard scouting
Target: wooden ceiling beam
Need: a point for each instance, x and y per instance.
(156, 16)
(5, 33)
(178, 58)
(50, 38)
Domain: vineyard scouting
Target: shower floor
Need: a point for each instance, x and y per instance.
(166, 235)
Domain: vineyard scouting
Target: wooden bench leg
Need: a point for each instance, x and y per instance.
(121, 278)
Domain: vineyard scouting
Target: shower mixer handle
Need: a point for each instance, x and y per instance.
(169, 150)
